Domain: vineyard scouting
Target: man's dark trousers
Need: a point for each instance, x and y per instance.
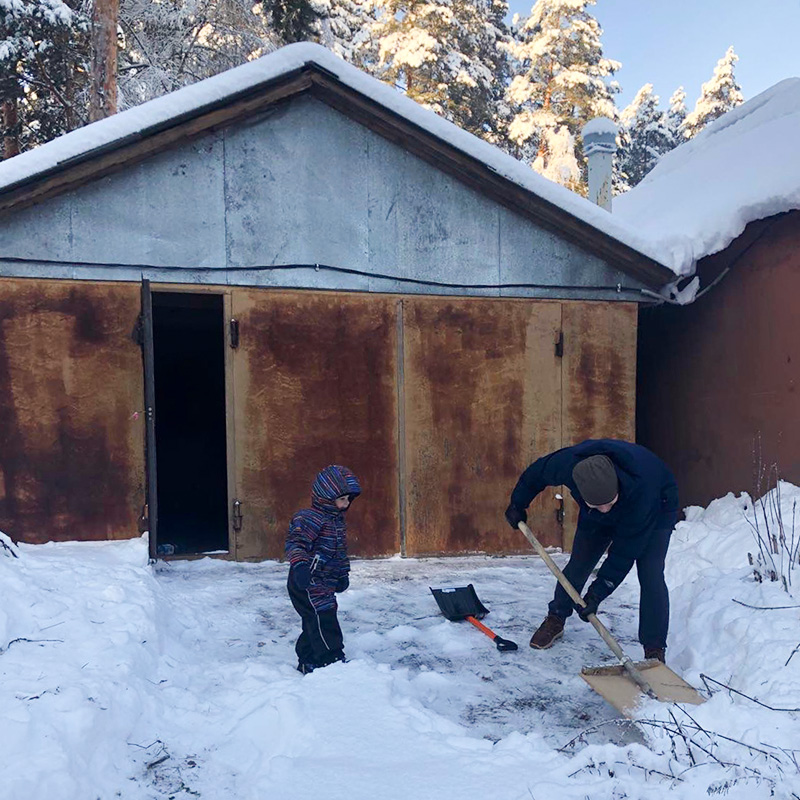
(321, 641)
(587, 549)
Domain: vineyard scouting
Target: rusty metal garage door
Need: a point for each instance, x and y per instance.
(314, 384)
(599, 378)
(436, 403)
(482, 391)
(71, 459)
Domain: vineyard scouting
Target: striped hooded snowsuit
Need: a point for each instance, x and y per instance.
(317, 537)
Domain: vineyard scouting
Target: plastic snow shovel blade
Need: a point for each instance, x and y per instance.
(462, 603)
(615, 685)
(459, 603)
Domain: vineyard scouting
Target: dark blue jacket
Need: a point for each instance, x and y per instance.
(648, 500)
(318, 535)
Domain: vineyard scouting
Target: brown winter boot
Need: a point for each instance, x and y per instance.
(548, 633)
(659, 653)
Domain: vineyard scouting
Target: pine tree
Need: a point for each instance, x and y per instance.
(445, 55)
(675, 117)
(717, 96)
(560, 82)
(344, 27)
(560, 164)
(340, 25)
(645, 136)
(103, 75)
(294, 20)
(172, 44)
(489, 39)
(43, 67)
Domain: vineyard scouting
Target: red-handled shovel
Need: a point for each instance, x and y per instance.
(462, 603)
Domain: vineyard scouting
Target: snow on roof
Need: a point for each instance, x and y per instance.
(136, 123)
(743, 167)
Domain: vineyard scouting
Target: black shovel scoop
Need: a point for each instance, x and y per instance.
(462, 603)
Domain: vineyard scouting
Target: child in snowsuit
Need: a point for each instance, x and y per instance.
(316, 548)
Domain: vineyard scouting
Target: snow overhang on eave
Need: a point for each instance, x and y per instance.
(488, 174)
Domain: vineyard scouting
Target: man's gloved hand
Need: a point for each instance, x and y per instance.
(301, 574)
(591, 603)
(342, 584)
(515, 515)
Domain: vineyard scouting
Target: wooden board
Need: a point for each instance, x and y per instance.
(482, 397)
(619, 689)
(71, 401)
(599, 379)
(315, 384)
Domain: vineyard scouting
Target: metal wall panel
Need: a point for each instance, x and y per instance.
(298, 170)
(599, 379)
(534, 255)
(315, 384)
(425, 224)
(482, 388)
(168, 210)
(71, 394)
(735, 407)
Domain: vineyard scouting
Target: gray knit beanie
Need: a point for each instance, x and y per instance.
(596, 479)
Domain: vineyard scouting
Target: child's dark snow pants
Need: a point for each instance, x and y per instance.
(321, 642)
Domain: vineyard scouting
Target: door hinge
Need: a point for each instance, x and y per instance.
(560, 344)
(234, 329)
(237, 516)
(144, 519)
(559, 509)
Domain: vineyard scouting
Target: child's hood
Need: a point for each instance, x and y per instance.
(332, 482)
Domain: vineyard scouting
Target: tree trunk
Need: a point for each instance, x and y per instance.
(103, 99)
(10, 128)
(546, 102)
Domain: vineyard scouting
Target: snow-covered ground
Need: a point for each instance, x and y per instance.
(120, 680)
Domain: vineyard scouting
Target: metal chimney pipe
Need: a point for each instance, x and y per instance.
(599, 146)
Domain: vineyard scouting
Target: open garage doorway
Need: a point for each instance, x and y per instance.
(191, 468)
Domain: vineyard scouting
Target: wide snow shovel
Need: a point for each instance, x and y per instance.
(624, 684)
(462, 603)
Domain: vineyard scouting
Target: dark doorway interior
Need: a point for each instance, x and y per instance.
(190, 422)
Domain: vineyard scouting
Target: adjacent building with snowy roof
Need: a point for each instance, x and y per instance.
(719, 378)
(207, 298)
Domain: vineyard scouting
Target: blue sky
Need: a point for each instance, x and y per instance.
(672, 43)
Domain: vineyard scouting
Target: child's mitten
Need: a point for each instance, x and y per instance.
(301, 574)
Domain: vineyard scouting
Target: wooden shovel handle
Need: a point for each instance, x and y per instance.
(612, 643)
